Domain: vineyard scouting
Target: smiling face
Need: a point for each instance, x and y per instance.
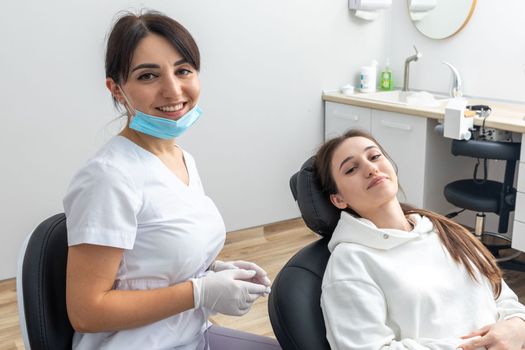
(365, 178)
(160, 81)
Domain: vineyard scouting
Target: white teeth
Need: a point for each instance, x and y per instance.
(172, 108)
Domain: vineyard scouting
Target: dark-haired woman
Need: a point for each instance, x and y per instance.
(143, 235)
(400, 277)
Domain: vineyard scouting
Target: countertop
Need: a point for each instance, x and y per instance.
(504, 116)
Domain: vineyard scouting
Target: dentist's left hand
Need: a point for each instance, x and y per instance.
(261, 277)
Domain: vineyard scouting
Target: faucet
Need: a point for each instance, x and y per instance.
(455, 88)
(407, 63)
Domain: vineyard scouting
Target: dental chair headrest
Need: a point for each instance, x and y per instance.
(318, 213)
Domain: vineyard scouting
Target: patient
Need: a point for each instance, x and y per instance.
(401, 277)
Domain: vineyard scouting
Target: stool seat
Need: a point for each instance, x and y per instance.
(484, 197)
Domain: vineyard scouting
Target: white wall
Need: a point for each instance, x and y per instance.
(489, 52)
(264, 64)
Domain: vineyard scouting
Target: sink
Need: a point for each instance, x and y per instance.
(412, 98)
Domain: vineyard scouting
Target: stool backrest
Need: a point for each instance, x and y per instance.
(41, 287)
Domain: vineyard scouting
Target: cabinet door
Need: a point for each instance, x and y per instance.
(518, 231)
(518, 236)
(404, 139)
(340, 117)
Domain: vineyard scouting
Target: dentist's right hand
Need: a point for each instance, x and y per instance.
(227, 292)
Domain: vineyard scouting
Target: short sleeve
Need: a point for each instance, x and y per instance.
(101, 206)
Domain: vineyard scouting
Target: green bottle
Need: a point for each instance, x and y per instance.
(386, 78)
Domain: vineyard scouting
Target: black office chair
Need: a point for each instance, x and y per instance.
(294, 304)
(487, 196)
(41, 287)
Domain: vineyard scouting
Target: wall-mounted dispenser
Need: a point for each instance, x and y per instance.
(368, 9)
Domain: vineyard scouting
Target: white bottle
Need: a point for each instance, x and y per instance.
(368, 78)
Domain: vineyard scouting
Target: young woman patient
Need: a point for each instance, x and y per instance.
(401, 277)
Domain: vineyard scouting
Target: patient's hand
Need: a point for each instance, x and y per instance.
(503, 335)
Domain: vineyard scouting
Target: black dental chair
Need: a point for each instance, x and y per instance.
(294, 304)
(41, 287)
(488, 196)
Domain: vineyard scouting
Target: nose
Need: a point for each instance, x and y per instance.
(371, 170)
(171, 87)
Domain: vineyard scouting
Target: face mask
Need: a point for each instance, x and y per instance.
(161, 128)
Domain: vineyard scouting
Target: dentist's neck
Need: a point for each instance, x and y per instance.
(152, 144)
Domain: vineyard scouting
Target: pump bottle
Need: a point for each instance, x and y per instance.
(386, 82)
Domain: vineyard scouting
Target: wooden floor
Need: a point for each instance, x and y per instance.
(270, 246)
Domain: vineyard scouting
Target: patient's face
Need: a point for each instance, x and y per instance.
(365, 178)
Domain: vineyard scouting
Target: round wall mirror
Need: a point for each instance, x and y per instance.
(440, 19)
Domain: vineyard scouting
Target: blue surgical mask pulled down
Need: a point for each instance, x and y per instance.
(160, 128)
(163, 128)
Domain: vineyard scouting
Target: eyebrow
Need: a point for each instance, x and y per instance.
(347, 159)
(156, 66)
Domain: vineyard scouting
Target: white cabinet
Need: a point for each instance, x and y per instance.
(518, 230)
(519, 213)
(340, 117)
(404, 139)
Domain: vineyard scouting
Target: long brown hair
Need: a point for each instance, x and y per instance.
(464, 248)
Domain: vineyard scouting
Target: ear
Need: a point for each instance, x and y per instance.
(114, 90)
(338, 201)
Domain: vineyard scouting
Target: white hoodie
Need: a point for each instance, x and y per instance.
(392, 289)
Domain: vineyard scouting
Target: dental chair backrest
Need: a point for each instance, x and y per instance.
(318, 213)
(294, 303)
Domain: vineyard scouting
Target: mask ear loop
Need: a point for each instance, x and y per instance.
(129, 108)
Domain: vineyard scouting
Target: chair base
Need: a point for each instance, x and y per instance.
(496, 243)
(500, 247)
(515, 265)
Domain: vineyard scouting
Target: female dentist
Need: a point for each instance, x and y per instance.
(142, 234)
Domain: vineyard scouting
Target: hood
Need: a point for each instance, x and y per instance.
(361, 231)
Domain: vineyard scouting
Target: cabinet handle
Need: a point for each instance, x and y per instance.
(346, 116)
(393, 125)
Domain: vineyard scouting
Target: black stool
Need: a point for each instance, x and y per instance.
(487, 196)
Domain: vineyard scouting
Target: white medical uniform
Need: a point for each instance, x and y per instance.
(125, 197)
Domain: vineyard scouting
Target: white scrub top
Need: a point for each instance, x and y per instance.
(125, 197)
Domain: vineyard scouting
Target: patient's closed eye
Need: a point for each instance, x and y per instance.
(350, 170)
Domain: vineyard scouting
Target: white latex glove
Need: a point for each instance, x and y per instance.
(260, 277)
(227, 292)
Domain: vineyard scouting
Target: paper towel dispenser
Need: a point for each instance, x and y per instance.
(368, 9)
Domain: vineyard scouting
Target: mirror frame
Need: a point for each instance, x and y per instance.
(463, 25)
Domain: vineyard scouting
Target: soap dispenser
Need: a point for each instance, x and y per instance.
(386, 82)
(368, 77)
